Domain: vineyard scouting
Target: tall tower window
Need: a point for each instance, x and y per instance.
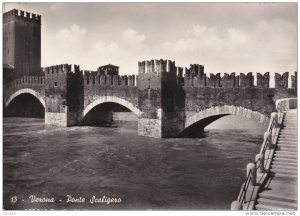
(7, 51)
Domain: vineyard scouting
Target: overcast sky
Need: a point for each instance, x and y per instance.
(224, 37)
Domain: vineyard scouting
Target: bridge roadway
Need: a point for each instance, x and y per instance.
(167, 103)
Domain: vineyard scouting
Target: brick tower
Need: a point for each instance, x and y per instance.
(161, 99)
(21, 44)
(64, 95)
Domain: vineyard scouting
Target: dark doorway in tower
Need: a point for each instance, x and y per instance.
(25, 105)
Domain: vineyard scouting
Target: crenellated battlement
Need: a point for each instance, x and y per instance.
(238, 81)
(12, 14)
(63, 68)
(94, 78)
(157, 67)
(294, 80)
(90, 77)
(281, 81)
(214, 80)
(246, 81)
(194, 76)
(263, 80)
(228, 81)
(195, 70)
(35, 80)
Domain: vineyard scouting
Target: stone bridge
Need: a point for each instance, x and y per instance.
(167, 103)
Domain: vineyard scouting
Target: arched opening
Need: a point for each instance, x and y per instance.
(24, 105)
(196, 130)
(222, 122)
(109, 114)
(195, 124)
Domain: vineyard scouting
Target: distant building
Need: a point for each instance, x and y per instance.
(21, 44)
(108, 70)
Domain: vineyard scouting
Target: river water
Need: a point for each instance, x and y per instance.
(137, 173)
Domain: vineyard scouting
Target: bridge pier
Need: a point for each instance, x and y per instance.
(161, 99)
(64, 96)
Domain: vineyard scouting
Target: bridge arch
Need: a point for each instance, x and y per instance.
(207, 116)
(111, 99)
(25, 91)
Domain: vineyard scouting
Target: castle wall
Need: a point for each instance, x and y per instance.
(161, 97)
(196, 92)
(255, 99)
(119, 86)
(27, 82)
(97, 87)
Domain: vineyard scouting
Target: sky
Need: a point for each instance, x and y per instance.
(224, 37)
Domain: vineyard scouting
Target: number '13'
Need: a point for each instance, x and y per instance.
(14, 199)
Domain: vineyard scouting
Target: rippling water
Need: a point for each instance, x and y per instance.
(145, 173)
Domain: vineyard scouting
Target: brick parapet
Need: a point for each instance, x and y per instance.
(12, 14)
